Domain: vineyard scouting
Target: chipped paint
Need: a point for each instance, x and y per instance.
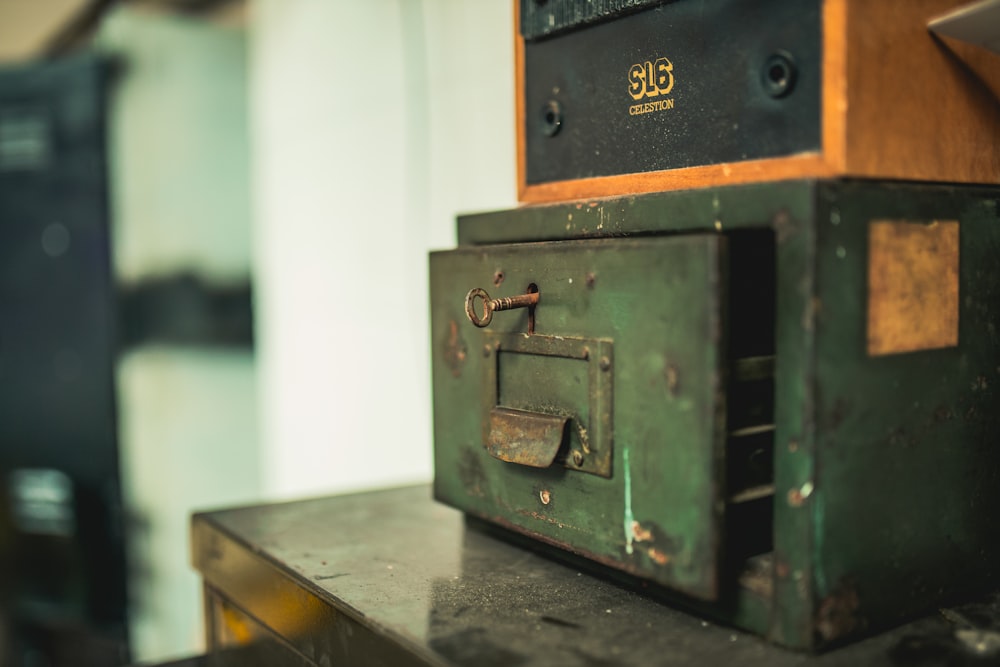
(641, 534)
(658, 556)
(672, 379)
(629, 518)
(455, 350)
(783, 226)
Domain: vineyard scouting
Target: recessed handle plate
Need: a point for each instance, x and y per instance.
(527, 438)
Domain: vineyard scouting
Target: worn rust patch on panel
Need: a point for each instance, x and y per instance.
(838, 612)
(455, 350)
(912, 286)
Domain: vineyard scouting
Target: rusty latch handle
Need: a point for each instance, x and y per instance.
(490, 305)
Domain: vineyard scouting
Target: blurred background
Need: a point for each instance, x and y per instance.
(214, 223)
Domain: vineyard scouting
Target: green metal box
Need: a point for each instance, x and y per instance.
(775, 402)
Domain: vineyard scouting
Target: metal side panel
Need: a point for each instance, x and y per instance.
(620, 387)
(908, 364)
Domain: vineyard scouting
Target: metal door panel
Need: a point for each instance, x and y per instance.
(622, 377)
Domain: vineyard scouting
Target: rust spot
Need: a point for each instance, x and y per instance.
(672, 380)
(943, 413)
(837, 616)
(545, 496)
(641, 534)
(540, 517)
(781, 569)
(795, 498)
(783, 226)
(591, 280)
(793, 446)
(455, 350)
(659, 547)
(470, 471)
(658, 556)
(497, 278)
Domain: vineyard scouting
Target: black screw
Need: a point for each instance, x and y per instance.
(779, 74)
(551, 118)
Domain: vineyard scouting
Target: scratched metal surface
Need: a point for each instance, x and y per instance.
(413, 572)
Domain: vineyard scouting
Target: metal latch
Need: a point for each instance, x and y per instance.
(547, 400)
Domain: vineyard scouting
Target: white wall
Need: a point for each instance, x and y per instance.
(179, 146)
(189, 443)
(372, 124)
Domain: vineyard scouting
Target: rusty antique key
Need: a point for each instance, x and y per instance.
(490, 305)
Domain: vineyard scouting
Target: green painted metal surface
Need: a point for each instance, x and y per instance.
(886, 469)
(907, 455)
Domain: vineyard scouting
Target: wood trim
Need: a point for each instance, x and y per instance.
(519, 104)
(803, 165)
(918, 110)
(833, 95)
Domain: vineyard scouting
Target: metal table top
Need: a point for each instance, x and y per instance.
(391, 576)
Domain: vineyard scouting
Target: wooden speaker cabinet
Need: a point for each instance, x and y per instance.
(630, 96)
